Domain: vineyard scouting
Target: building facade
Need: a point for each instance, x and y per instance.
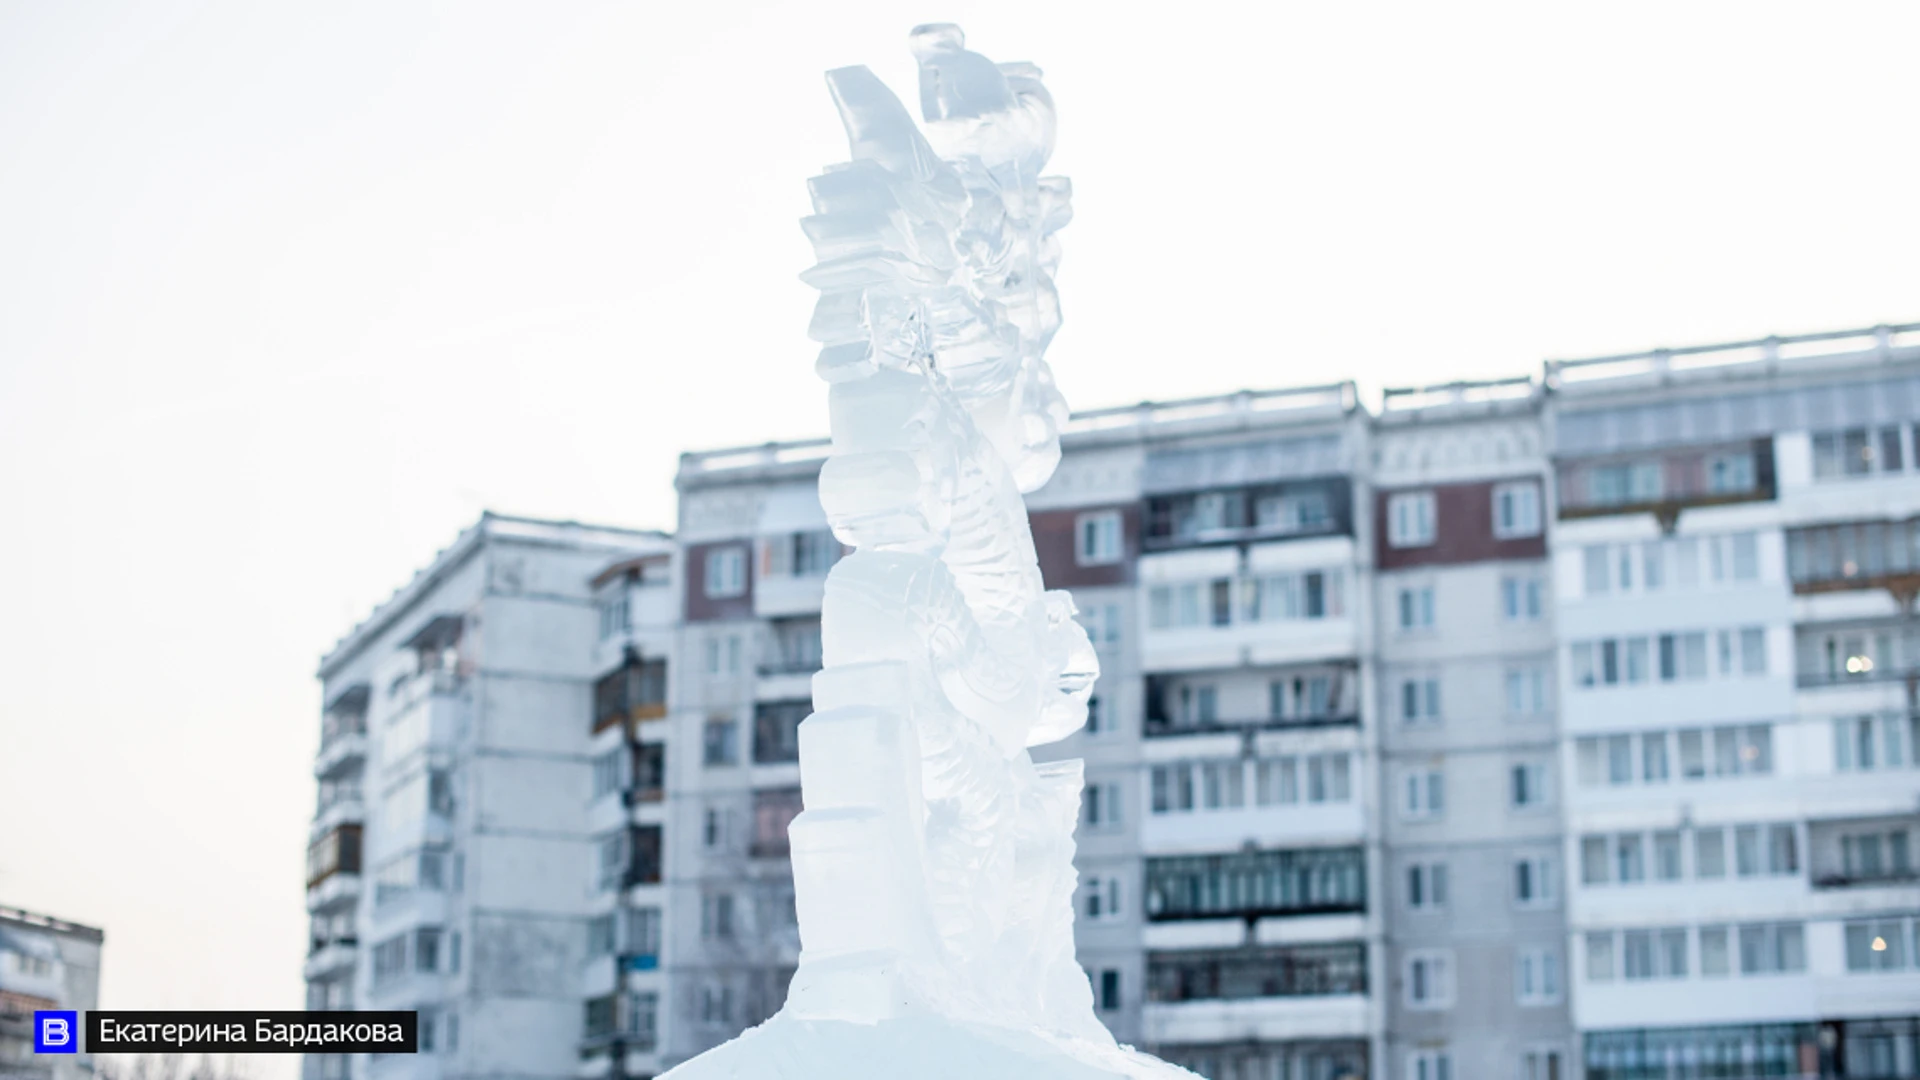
(45, 963)
(452, 864)
(1533, 728)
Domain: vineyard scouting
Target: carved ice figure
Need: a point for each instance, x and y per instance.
(933, 863)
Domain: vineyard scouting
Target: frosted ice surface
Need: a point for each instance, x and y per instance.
(933, 864)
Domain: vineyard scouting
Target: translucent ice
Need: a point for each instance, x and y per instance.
(933, 863)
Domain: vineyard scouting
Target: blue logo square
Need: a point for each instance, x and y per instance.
(56, 1032)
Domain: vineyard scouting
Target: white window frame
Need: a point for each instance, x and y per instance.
(1546, 890)
(1439, 978)
(1430, 871)
(1412, 519)
(1416, 608)
(1522, 598)
(1104, 892)
(1543, 963)
(719, 582)
(1537, 1057)
(1417, 801)
(1539, 781)
(1526, 515)
(1103, 812)
(1429, 1065)
(1108, 535)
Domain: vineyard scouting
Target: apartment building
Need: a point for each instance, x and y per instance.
(45, 963)
(1732, 560)
(451, 867)
(756, 550)
(1528, 729)
(1469, 741)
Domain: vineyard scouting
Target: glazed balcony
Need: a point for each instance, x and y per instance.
(1664, 483)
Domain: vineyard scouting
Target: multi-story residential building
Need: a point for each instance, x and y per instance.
(1464, 638)
(1731, 556)
(451, 868)
(756, 551)
(1530, 729)
(45, 963)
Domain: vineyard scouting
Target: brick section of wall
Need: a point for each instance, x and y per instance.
(1463, 528)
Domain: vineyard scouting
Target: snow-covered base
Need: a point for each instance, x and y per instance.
(921, 1047)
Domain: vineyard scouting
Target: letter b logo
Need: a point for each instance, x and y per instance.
(55, 1032)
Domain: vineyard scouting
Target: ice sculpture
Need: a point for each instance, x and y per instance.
(933, 864)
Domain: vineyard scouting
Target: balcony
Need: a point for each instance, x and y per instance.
(335, 892)
(635, 693)
(776, 731)
(649, 775)
(1275, 700)
(1257, 884)
(1860, 853)
(340, 753)
(1212, 612)
(773, 811)
(339, 805)
(1249, 514)
(793, 648)
(1238, 974)
(331, 957)
(1665, 483)
(795, 553)
(1855, 555)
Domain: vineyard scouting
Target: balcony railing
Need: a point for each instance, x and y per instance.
(636, 692)
(1238, 974)
(1864, 879)
(1257, 884)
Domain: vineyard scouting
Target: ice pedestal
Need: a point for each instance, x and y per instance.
(933, 862)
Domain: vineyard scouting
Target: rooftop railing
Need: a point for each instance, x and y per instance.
(1333, 399)
(1398, 401)
(1772, 351)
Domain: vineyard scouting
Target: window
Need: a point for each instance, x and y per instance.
(1624, 483)
(609, 772)
(1600, 959)
(1858, 452)
(1772, 949)
(1424, 795)
(1527, 786)
(426, 949)
(1420, 699)
(1869, 743)
(1097, 538)
(1537, 976)
(390, 958)
(1416, 608)
(642, 935)
(1598, 575)
(1715, 958)
(1109, 990)
(1100, 898)
(1526, 692)
(1327, 778)
(716, 916)
(1539, 1065)
(612, 851)
(1256, 882)
(1426, 886)
(1878, 945)
(726, 571)
(1666, 855)
(1429, 978)
(1874, 856)
(1516, 510)
(600, 935)
(1533, 882)
(1710, 853)
(1097, 720)
(1429, 1065)
(1753, 651)
(614, 615)
(1410, 519)
(1100, 806)
(1520, 599)
(1629, 858)
(719, 741)
(1276, 781)
(642, 1020)
(1730, 473)
(1653, 757)
(716, 1004)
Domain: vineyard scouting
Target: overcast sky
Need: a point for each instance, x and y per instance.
(288, 294)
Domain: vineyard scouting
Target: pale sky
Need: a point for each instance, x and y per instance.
(288, 294)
